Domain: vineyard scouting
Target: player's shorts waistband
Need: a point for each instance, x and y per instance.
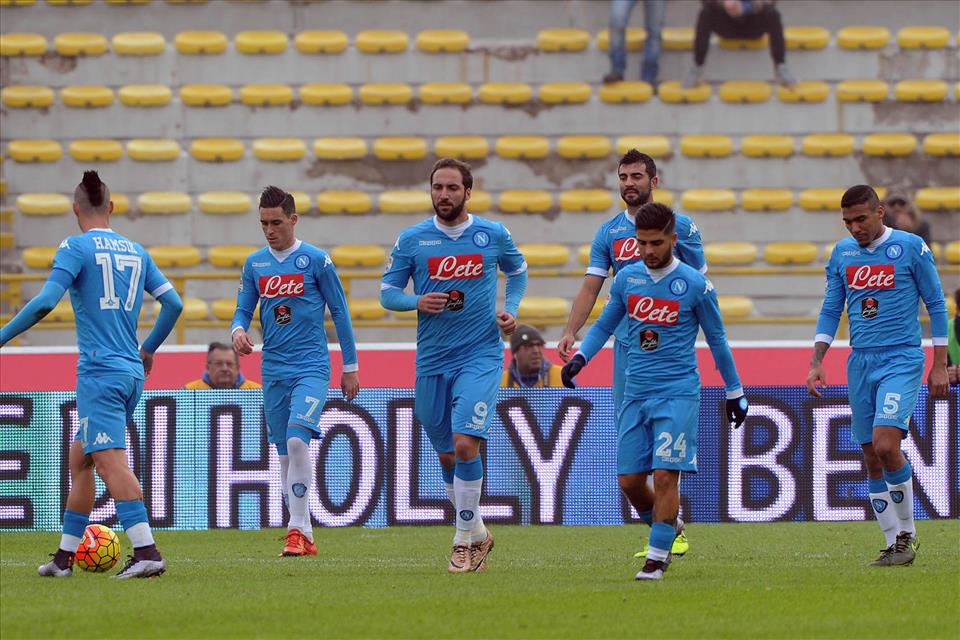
(896, 348)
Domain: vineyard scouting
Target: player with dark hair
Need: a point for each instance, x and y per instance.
(453, 260)
(664, 303)
(107, 275)
(614, 247)
(881, 274)
(294, 283)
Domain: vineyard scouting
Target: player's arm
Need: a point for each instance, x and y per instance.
(690, 247)
(332, 290)
(394, 280)
(247, 298)
(157, 285)
(514, 266)
(928, 284)
(711, 321)
(830, 311)
(586, 298)
(598, 335)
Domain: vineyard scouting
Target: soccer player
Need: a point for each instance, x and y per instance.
(881, 274)
(294, 281)
(614, 247)
(664, 303)
(107, 275)
(453, 259)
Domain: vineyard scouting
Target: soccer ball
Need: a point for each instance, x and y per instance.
(99, 550)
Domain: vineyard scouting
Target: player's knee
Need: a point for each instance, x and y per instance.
(886, 450)
(297, 447)
(631, 482)
(447, 459)
(665, 480)
(465, 449)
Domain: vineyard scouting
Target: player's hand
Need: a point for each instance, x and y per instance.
(350, 385)
(242, 343)
(565, 346)
(816, 375)
(434, 302)
(571, 369)
(938, 383)
(506, 322)
(147, 359)
(737, 411)
(953, 374)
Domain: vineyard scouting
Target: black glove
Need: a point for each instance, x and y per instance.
(737, 411)
(571, 369)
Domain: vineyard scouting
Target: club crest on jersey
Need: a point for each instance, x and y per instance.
(465, 267)
(481, 239)
(649, 340)
(894, 251)
(653, 310)
(281, 286)
(302, 262)
(455, 301)
(869, 308)
(678, 286)
(871, 276)
(282, 314)
(626, 249)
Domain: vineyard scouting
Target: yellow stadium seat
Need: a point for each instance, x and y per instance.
(804, 91)
(586, 200)
(798, 37)
(62, 312)
(138, 43)
(266, 95)
(366, 309)
(918, 37)
(525, 201)
(827, 144)
(201, 42)
(153, 149)
(480, 201)
(744, 44)
(663, 196)
(145, 95)
(920, 90)
(175, 255)
(939, 199)
(555, 40)
(626, 91)
(95, 150)
(400, 148)
(525, 147)
(597, 308)
(565, 92)
(766, 146)
(405, 202)
(279, 149)
(677, 38)
(708, 199)
(261, 42)
(358, 255)
(827, 199)
(228, 256)
(463, 147)
(217, 149)
(206, 95)
(544, 308)
(121, 204)
(505, 93)
(386, 93)
(733, 307)
(766, 199)
(673, 92)
(862, 91)
(21, 96)
(730, 253)
(326, 94)
(544, 254)
(35, 150)
(335, 202)
(744, 91)
(224, 202)
(38, 257)
(653, 146)
(339, 148)
(942, 144)
(193, 309)
(43, 204)
(224, 308)
(706, 146)
(382, 41)
(889, 144)
(302, 201)
(583, 254)
(164, 203)
(321, 41)
(443, 41)
(863, 37)
(635, 36)
(790, 253)
(952, 252)
(87, 96)
(22, 44)
(7, 240)
(80, 44)
(583, 147)
(445, 93)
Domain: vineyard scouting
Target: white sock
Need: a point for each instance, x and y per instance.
(657, 554)
(903, 508)
(451, 495)
(298, 486)
(140, 535)
(69, 543)
(467, 494)
(886, 517)
(284, 467)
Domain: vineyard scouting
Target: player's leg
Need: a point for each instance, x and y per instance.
(633, 462)
(276, 413)
(619, 376)
(432, 409)
(76, 515)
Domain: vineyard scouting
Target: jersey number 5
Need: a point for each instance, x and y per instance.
(109, 300)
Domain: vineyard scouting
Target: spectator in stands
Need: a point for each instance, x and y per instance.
(953, 342)
(739, 19)
(528, 367)
(901, 214)
(223, 370)
(653, 16)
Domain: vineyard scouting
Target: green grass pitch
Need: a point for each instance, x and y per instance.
(790, 580)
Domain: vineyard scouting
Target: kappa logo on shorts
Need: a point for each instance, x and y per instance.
(869, 308)
(102, 438)
(879, 505)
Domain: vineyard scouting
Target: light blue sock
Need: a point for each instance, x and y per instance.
(661, 540)
(133, 517)
(73, 526)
